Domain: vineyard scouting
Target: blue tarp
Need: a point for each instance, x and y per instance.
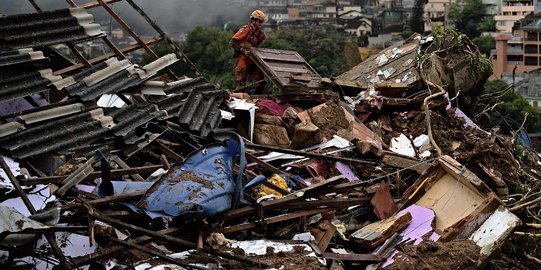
(202, 184)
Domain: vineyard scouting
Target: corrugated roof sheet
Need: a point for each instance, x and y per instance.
(57, 134)
(394, 64)
(200, 112)
(71, 125)
(77, 129)
(115, 77)
(533, 25)
(12, 57)
(186, 86)
(133, 116)
(17, 83)
(47, 28)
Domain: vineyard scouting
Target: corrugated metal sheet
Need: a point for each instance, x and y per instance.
(57, 134)
(186, 86)
(133, 116)
(200, 112)
(171, 104)
(117, 76)
(13, 57)
(80, 129)
(394, 65)
(113, 84)
(283, 66)
(47, 28)
(16, 83)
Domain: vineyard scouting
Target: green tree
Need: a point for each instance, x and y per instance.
(498, 101)
(328, 51)
(485, 43)
(324, 48)
(487, 24)
(208, 48)
(416, 24)
(467, 17)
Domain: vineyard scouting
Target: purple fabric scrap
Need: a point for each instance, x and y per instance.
(346, 171)
(421, 224)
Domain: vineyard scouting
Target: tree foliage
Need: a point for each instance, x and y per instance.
(497, 102)
(416, 24)
(323, 48)
(468, 17)
(485, 43)
(328, 51)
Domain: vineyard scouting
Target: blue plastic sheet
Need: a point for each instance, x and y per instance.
(204, 184)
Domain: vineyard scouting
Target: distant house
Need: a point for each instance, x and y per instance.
(350, 14)
(528, 85)
(519, 53)
(386, 37)
(359, 26)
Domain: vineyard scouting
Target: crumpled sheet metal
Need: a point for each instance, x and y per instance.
(12, 221)
(203, 184)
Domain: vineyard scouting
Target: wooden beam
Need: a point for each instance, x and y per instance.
(272, 220)
(104, 57)
(94, 175)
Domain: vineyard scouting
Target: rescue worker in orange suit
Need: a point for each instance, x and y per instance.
(248, 36)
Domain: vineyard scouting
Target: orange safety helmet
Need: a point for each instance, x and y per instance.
(258, 14)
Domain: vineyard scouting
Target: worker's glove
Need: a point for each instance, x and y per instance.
(245, 51)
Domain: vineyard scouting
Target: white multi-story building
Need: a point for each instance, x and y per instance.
(435, 12)
(512, 11)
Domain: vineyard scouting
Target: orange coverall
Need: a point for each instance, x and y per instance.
(246, 37)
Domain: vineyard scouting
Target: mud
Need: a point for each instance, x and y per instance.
(469, 146)
(329, 119)
(296, 259)
(461, 254)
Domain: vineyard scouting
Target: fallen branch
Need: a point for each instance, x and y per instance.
(427, 115)
(527, 234)
(534, 225)
(533, 259)
(520, 206)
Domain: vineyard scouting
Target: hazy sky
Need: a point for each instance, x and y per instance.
(173, 16)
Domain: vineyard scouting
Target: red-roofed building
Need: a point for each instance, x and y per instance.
(522, 52)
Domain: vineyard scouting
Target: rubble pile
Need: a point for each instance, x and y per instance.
(377, 168)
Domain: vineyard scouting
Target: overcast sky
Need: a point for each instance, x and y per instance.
(174, 16)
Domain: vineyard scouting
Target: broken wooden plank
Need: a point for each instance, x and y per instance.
(112, 251)
(170, 153)
(177, 241)
(272, 220)
(109, 199)
(384, 205)
(404, 162)
(331, 202)
(374, 234)
(94, 175)
(326, 231)
(353, 257)
(309, 192)
(300, 78)
(123, 164)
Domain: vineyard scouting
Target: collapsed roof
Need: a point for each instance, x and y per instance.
(398, 148)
